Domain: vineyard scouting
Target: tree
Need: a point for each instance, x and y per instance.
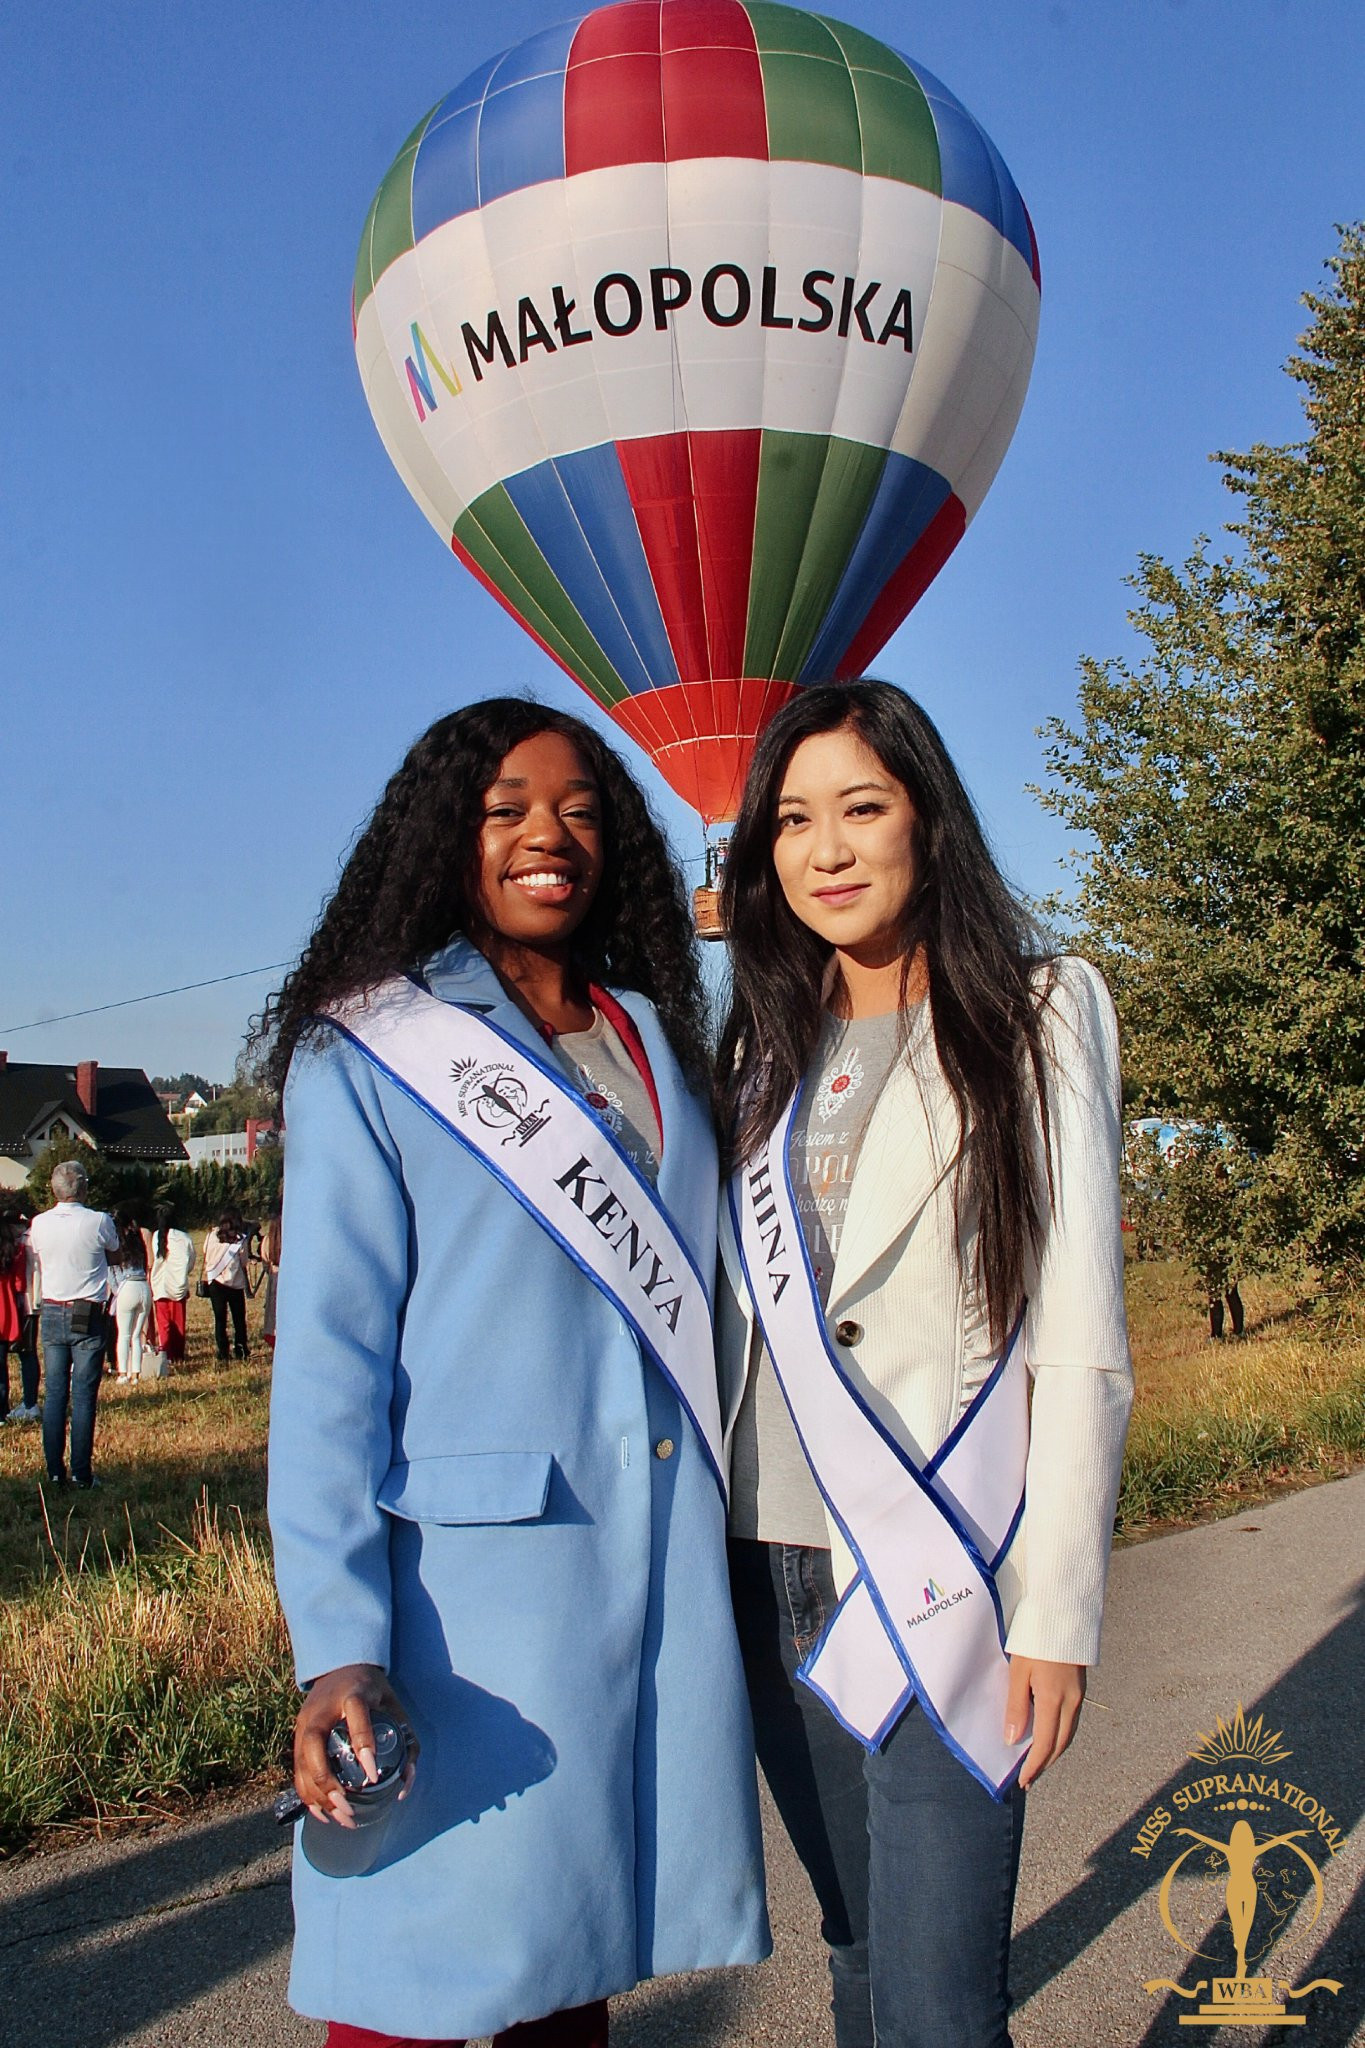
(1220, 781)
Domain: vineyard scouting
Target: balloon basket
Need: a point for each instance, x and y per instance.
(707, 922)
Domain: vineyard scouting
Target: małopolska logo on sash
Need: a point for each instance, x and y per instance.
(1247, 1846)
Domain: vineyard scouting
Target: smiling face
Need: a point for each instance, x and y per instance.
(540, 846)
(844, 846)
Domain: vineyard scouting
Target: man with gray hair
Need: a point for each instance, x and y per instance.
(71, 1245)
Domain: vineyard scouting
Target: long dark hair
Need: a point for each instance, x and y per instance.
(164, 1220)
(132, 1249)
(409, 885)
(979, 945)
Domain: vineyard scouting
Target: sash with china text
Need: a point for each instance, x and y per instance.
(535, 1134)
(921, 1617)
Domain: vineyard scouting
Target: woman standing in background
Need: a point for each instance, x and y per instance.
(129, 1295)
(225, 1272)
(171, 1261)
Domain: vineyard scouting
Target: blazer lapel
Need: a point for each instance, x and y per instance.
(912, 1141)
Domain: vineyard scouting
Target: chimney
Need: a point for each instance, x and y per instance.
(4, 1059)
(88, 1085)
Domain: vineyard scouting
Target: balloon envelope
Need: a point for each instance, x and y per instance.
(698, 329)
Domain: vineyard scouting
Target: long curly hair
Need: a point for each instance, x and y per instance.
(982, 950)
(410, 885)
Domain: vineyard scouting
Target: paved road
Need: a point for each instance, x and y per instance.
(179, 1935)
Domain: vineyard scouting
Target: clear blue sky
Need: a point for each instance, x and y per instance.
(222, 619)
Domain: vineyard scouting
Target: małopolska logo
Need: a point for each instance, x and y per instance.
(1248, 1873)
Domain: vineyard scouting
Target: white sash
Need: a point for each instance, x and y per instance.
(921, 1617)
(535, 1134)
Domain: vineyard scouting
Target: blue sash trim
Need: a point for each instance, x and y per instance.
(622, 1307)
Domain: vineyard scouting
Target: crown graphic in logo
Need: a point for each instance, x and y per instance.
(1240, 1738)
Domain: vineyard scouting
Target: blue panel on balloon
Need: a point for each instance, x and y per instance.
(469, 92)
(906, 499)
(521, 136)
(445, 179)
(549, 517)
(974, 173)
(597, 491)
(538, 55)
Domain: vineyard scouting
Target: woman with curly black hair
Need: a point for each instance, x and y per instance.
(495, 1445)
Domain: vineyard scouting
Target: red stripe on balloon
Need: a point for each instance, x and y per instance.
(712, 81)
(613, 99)
(725, 492)
(659, 480)
(719, 723)
(906, 587)
(647, 83)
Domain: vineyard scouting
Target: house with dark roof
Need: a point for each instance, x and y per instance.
(114, 1110)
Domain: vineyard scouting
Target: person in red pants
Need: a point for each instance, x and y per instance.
(584, 2027)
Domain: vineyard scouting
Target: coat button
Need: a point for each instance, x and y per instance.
(664, 1447)
(848, 1333)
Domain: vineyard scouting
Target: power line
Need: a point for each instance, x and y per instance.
(128, 1002)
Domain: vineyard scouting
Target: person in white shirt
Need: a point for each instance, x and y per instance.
(71, 1244)
(171, 1260)
(225, 1270)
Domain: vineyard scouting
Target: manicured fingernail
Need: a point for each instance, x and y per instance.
(1011, 1731)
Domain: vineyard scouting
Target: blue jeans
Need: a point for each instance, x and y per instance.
(913, 1863)
(72, 1366)
(26, 1352)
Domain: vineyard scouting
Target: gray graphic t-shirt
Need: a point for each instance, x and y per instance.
(610, 1083)
(772, 1494)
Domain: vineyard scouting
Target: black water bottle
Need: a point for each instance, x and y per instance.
(339, 1851)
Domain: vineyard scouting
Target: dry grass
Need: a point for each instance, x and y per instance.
(131, 1686)
(142, 1656)
(158, 1446)
(1219, 1424)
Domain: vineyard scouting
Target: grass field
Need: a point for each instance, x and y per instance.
(142, 1658)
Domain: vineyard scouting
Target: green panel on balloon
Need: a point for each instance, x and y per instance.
(388, 230)
(790, 29)
(812, 110)
(495, 536)
(862, 51)
(848, 484)
(810, 487)
(899, 136)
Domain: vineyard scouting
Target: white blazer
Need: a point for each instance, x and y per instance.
(904, 1278)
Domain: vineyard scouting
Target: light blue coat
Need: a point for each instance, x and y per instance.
(464, 1488)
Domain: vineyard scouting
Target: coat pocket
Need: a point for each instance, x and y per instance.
(469, 1487)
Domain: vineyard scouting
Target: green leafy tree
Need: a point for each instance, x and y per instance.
(1219, 781)
(1210, 1214)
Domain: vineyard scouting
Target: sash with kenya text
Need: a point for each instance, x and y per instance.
(921, 1617)
(535, 1134)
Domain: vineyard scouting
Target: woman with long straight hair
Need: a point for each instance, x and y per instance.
(922, 1236)
(495, 1449)
(130, 1297)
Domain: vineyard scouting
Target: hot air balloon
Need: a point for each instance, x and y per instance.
(698, 329)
